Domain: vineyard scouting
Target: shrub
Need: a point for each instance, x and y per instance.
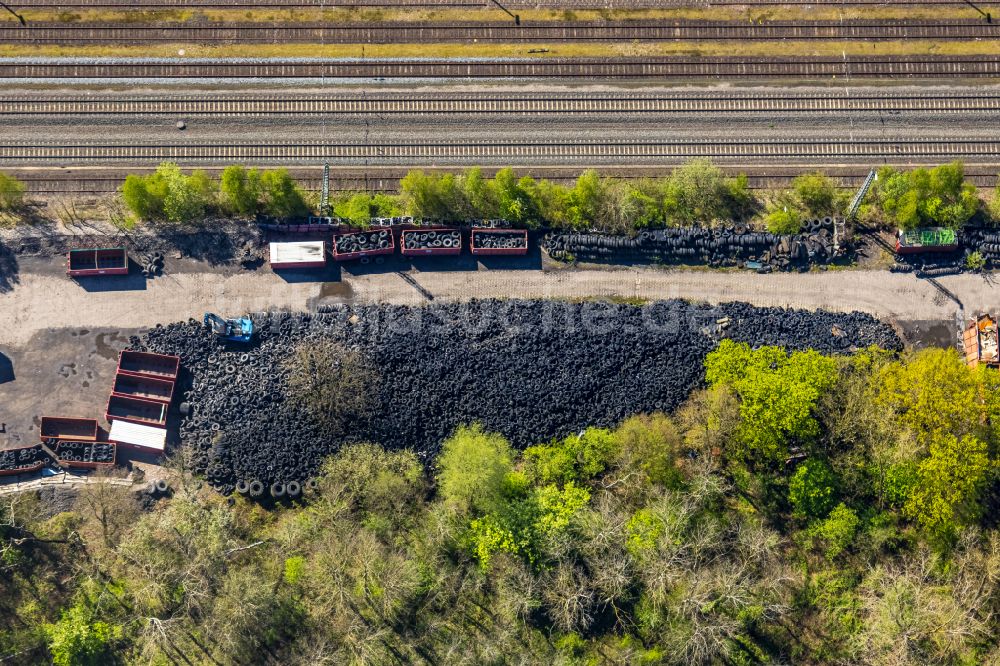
(784, 221)
(282, 197)
(11, 193)
(922, 197)
(241, 190)
(812, 489)
(473, 467)
(817, 194)
(169, 195)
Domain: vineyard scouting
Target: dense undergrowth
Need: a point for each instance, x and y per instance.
(801, 508)
(697, 193)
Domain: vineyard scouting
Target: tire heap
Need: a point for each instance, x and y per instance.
(984, 240)
(432, 239)
(363, 241)
(25, 458)
(500, 241)
(531, 370)
(102, 453)
(731, 245)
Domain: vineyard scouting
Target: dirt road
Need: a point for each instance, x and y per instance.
(46, 300)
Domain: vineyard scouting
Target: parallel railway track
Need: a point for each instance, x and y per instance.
(735, 69)
(837, 151)
(422, 104)
(486, 32)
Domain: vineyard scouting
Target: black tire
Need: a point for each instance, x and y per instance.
(293, 488)
(161, 485)
(242, 486)
(277, 490)
(312, 485)
(256, 488)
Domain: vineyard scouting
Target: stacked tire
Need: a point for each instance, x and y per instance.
(531, 370)
(731, 245)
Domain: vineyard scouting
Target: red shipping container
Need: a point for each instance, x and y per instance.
(68, 428)
(30, 467)
(136, 410)
(148, 364)
(520, 236)
(103, 261)
(147, 388)
(419, 242)
(64, 451)
(374, 251)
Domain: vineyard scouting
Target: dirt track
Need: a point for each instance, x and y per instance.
(46, 300)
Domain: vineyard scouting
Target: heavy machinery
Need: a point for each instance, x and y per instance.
(233, 330)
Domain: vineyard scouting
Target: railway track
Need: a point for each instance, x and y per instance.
(144, 5)
(486, 32)
(106, 181)
(736, 69)
(497, 152)
(418, 104)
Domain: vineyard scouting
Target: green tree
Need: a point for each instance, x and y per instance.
(282, 197)
(778, 393)
(586, 200)
(241, 190)
(934, 390)
(78, 639)
(141, 199)
(11, 192)
(949, 484)
(578, 457)
(473, 468)
(837, 531)
(922, 197)
(812, 489)
(696, 193)
(994, 207)
(512, 199)
(817, 194)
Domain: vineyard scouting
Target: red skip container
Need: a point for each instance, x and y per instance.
(136, 410)
(68, 428)
(499, 242)
(103, 261)
(148, 364)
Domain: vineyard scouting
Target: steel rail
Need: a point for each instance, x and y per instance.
(497, 152)
(729, 68)
(487, 32)
(416, 104)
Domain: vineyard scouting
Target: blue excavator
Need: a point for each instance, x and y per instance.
(232, 330)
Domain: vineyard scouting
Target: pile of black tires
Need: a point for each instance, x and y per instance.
(363, 241)
(85, 452)
(531, 370)
(985, 240)
(432, 239)
(25, 458)
(730, 245)
(500, 240)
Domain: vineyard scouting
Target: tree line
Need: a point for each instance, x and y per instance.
(800, 508)
(696, 193)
